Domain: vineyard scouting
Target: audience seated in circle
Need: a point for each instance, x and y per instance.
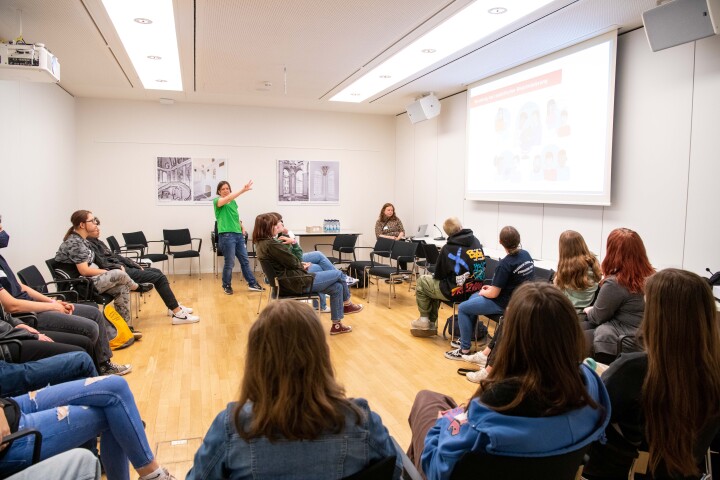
(665, 400)
(292, 417)
(539, 399)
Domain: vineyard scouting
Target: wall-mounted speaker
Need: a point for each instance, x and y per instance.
(424, 108)
(681, 21)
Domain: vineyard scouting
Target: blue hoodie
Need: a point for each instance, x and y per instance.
(481, 429)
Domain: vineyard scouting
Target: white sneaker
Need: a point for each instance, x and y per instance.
(183, 317)
(420, 324)
(475, 377)
(477, 357)
(351, 281)
(183, 308)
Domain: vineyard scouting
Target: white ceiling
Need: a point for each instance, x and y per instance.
(229, 48)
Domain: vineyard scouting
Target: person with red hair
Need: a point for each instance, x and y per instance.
(619, 307)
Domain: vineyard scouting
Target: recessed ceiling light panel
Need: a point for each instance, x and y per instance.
(147, 31)
(463, 29)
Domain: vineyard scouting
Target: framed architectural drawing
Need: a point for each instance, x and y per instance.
(188, 180)
(308, 182)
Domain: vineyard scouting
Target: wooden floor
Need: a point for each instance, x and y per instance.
(184, 375)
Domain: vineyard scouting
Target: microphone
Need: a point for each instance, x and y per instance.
(441, 237)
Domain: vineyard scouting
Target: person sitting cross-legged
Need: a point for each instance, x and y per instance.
(459, 271)
(106, 259)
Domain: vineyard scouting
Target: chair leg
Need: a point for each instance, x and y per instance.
(199, 269)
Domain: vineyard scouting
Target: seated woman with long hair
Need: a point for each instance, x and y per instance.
(75, 251)
(538, 400)
(666, 400)
(578, 271)
(292, 418)
(619, 307)
(286, 265)
(70, 415)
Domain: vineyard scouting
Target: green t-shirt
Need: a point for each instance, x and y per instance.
(227, 217)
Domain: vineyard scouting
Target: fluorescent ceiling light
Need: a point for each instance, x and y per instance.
(474, 22)
(147, 31)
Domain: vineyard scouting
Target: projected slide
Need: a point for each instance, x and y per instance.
(544, 133)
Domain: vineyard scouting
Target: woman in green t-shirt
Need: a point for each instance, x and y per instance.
(230, 236)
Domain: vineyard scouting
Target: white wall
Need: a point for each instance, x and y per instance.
(664, 164)
(118, 141)
(37, 164)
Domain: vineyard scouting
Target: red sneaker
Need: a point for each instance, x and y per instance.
(352, 308)
(338, 328)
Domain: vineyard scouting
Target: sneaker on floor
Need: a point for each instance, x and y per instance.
(454, 354)
(417, 332)
(338, 328)
(183, 317)
(475, 377)
(352, 308)
(110, 368)
(228, 290)
(144, 287)
(351, 281)
(163, 475)
(477, 357)
(327, 309)
(420, 324)
(182, 308)
(455, 343)
(256, 288)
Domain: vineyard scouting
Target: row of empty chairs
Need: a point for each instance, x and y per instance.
(171, 243)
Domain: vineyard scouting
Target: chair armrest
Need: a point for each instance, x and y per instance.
(307, 280)
(29, 318)
(199, 243)
(323, 245)
(378, 252)
(23, 433)
(11, 341)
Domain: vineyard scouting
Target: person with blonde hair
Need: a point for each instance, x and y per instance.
(578, 271)
(538, 400)
(665, 400)
(459, 272)
(292, 417)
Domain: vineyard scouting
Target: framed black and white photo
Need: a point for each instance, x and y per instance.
(308, 182)
(188, 180)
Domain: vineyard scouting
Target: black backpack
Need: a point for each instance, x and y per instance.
(357, 270)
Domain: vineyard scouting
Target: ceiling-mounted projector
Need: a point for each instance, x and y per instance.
(28, 62)
(424, 108)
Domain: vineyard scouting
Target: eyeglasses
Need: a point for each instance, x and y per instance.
(94, 220)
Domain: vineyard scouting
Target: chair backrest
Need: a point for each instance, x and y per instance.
(420, 252)
(176, 238)
(215, 239)
(432, 254)
(543, 275)
(113, 244)
(383, 244)
(32, 277)
(405, 250)
(558, 467)
(67, 271)
(134, 239)
(380, 470)
(490, 265)
(344, 243)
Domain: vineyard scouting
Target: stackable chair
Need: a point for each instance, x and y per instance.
(401, 252)
(277, 291)
(175, 239)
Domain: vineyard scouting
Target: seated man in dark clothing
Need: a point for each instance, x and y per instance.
(57, 316)
(105, 258)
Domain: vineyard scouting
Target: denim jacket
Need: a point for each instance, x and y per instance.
(224, 454)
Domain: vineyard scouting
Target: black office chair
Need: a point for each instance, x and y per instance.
(137, 241)
(544, 275)
(217, 251)
(68, 278)
(557, 467)
(358, 268)
(279, 286)
(343, 244)
(250, 247)
(381, 470)
(432, 254)
(32, 277)
(180, 238)
(401, 252)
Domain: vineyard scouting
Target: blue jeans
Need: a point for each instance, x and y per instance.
(320, 263)
(19, 378)
(233, 245)
(112, 413)
(332, 283)
(467, 316)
